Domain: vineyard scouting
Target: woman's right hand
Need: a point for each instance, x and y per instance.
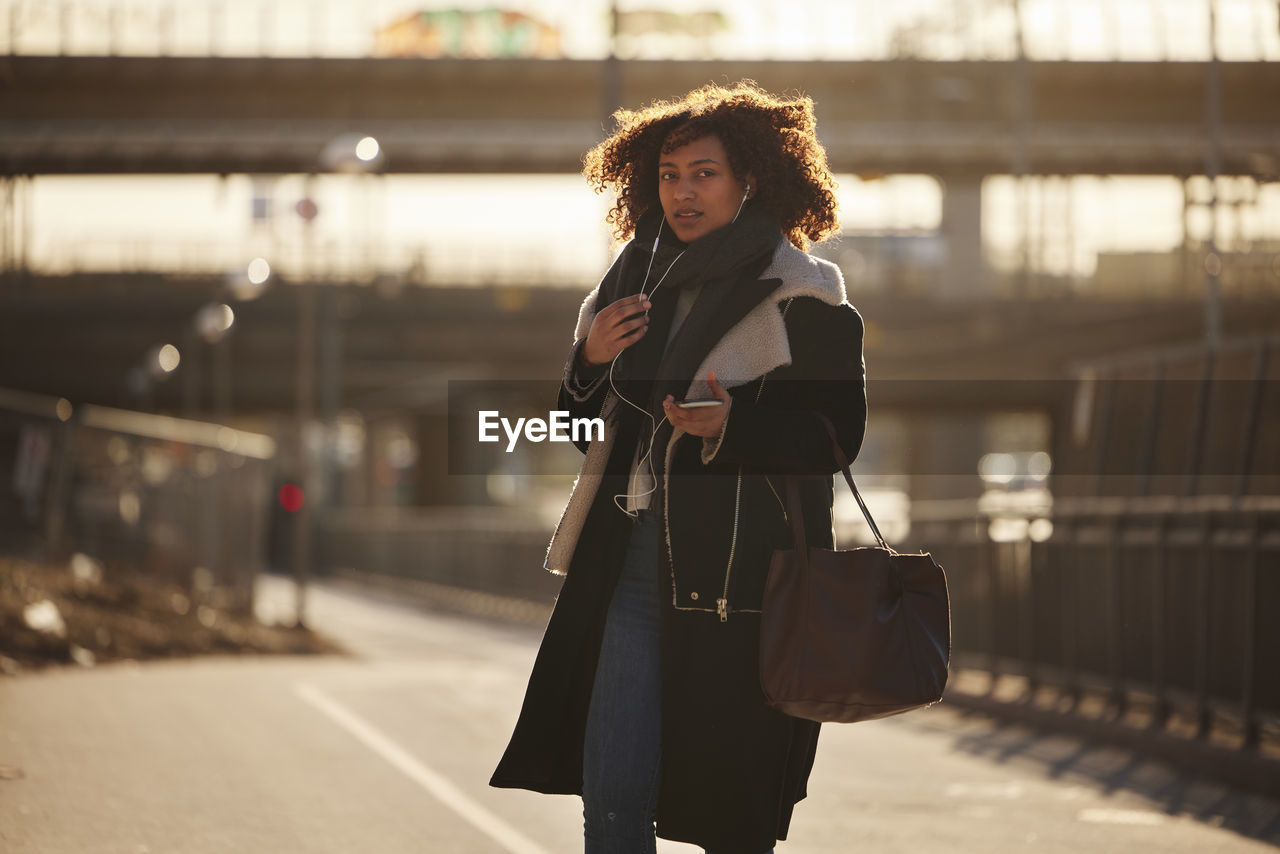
(615, 328)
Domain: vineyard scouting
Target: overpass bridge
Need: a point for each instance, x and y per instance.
(119, 114)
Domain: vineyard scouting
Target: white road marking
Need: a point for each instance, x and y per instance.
(995, 791)
(1071, 793)
(1112, 816)
(439, 786)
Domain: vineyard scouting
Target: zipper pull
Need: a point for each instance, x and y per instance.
(722, 608)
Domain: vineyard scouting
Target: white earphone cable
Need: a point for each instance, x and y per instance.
(647, 458)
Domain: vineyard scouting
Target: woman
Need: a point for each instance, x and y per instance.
(645, 695)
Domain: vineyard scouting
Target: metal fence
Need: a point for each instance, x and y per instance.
(1154, 585)
(1163, 604)
(180, 501)
(483, 549)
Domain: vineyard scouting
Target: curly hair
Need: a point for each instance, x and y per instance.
(770, 136)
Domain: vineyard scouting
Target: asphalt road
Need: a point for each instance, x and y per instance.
(389, 751)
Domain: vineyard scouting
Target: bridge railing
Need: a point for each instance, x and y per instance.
(490, 550)
(872, 261)
(478, 263)
(1162, 607)
(802, 29)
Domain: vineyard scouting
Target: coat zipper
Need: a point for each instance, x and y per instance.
(722, 604)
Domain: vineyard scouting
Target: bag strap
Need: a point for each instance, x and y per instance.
(849, 478)
(794, 507)
(796, 516)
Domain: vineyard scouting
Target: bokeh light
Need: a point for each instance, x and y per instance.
(168, 358)
(997, 468)
(213, 321)
(259, 271)
(368, 149)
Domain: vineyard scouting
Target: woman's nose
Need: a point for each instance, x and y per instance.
(684, 189)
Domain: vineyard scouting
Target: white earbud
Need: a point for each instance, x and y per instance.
(741, 203)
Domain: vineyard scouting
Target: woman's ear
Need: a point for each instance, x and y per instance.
(751, 186)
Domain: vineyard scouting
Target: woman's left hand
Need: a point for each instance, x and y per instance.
(703, 421)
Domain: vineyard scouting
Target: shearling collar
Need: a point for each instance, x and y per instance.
(800, 274)
(757, 343)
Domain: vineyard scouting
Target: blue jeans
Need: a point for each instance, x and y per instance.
(623, 740)
(622, 748)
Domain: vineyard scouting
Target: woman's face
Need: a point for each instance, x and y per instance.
(698, 190)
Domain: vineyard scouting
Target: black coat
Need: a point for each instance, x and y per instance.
(785, 345)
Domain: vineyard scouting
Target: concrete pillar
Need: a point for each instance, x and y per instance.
(965, 273)
(436, 485)
(1186, 286)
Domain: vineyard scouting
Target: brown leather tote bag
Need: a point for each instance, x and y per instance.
(853, 634)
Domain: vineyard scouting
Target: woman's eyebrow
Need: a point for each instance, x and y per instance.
(691, 163)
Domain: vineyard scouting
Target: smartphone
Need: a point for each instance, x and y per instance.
(699, 404)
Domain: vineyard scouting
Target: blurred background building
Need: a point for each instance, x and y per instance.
(262, 260)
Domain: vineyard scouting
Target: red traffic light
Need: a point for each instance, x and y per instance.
(291, 497)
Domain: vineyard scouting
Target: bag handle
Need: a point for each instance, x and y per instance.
(796, 516)
(793, 494)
